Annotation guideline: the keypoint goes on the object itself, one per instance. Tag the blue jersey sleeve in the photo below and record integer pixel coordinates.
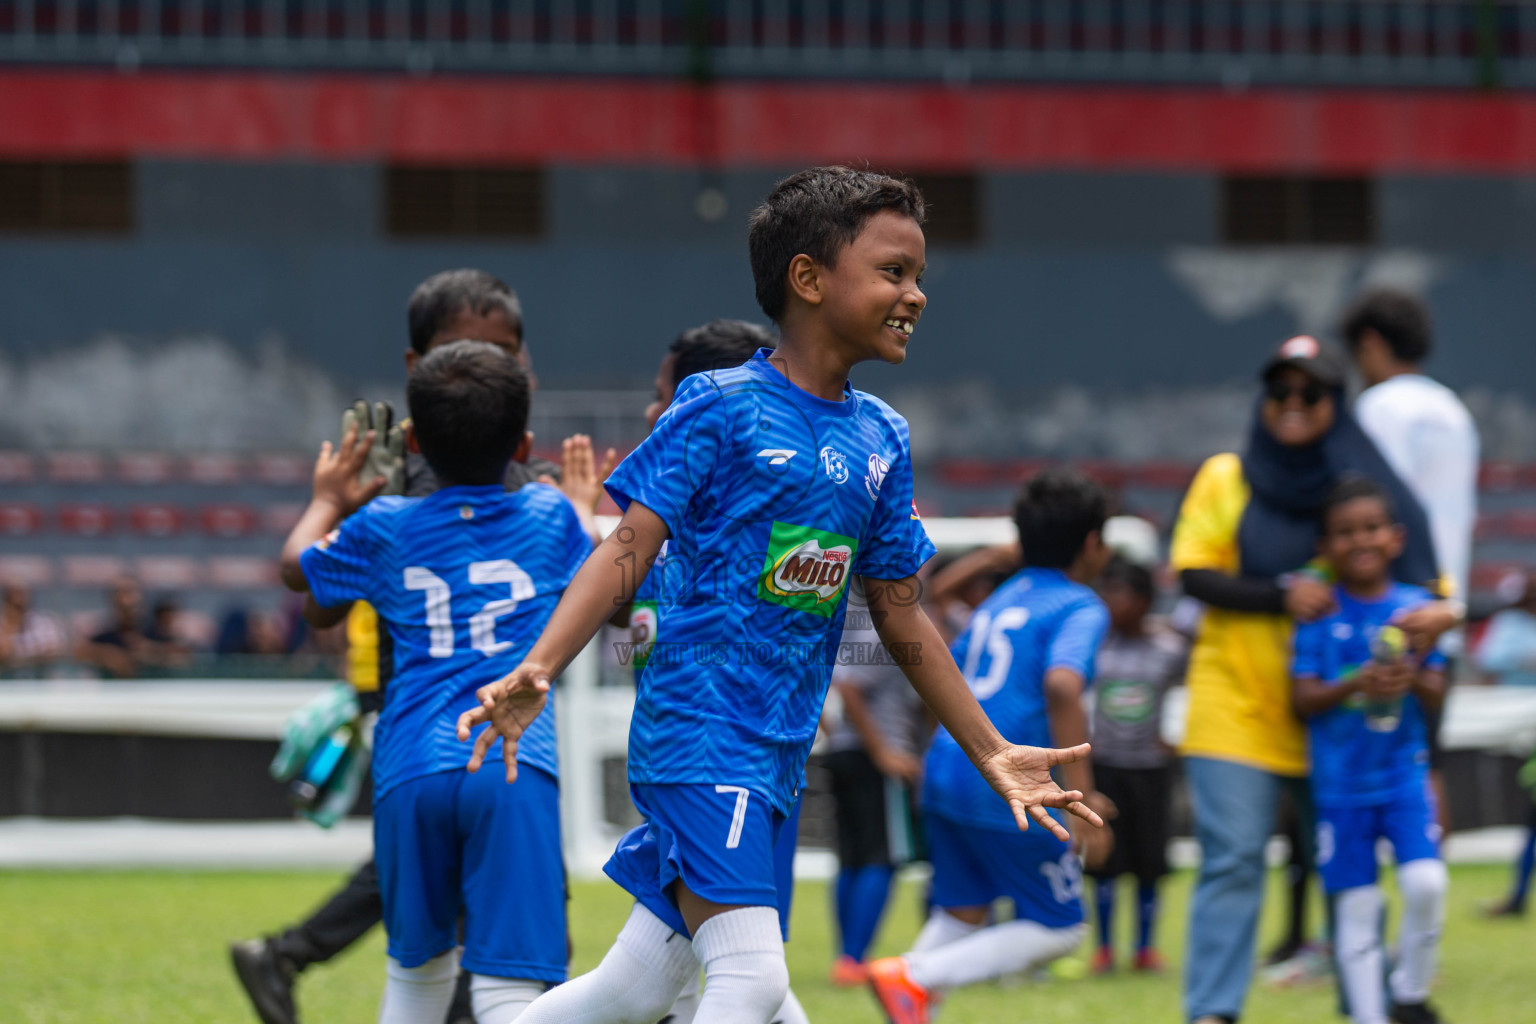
(1076, 643)
(339, 566)
(1311, 641)
(575, 544)
(678, 459)
(894, 545)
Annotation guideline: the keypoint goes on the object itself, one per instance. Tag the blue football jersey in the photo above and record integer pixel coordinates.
(465, 580)
(1362, 754)
(772, 498)
(1037, 621)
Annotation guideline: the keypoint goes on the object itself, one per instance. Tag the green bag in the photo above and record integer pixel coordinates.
(323, 756)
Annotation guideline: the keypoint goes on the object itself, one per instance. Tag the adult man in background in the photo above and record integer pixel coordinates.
(1427, 436)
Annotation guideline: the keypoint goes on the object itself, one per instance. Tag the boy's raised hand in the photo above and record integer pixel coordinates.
(337, 481)
(510, 704)
(1022, 776)
(581, 478)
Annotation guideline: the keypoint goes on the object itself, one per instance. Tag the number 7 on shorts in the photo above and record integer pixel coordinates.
(738, 816)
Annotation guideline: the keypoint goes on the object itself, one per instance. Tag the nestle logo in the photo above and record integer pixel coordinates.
(835, 556)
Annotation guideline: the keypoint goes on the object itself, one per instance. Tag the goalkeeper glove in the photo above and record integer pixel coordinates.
(387, 456)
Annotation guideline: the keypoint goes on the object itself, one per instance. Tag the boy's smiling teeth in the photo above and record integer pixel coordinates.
(904, 326)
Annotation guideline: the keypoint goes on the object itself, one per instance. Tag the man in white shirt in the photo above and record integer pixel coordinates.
(1420, 426)
(1427, 436)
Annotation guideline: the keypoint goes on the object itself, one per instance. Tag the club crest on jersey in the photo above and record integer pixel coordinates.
(806, 569)
(835, 464)
(878, 467)
(324, 543)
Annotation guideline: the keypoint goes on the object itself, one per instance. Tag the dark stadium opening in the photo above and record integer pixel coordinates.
(480, 202)
(67, 196)
(1298, 210)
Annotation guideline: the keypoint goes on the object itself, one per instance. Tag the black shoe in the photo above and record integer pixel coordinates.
(267, 979)
(1504, 908)
(1286, 950)
(1415, 1013)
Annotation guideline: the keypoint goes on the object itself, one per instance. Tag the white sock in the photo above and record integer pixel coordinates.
(941, 929)
(745, 976)
(1357, 946)
(1423, 884)
(790, 1011)
(994, 952)
(636, 983)
(686, 1007)
(501, 1000)
(416, 994)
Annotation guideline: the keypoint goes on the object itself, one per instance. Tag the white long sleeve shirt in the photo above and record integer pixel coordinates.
(1429, 439)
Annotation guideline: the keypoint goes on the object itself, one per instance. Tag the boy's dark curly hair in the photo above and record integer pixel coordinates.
(1055, 512)
(817, 212)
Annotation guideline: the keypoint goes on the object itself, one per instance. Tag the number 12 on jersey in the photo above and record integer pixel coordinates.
(482, 625)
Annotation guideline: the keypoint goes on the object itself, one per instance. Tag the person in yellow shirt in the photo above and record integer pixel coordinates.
(1245, 534)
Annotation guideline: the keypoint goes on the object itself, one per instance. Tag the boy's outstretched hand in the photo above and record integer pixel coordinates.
(581, 478)
(337, 480)
(510, 704)
(1022, 776)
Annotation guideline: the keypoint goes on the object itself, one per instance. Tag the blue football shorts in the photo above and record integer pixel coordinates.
(1346, 837)
(455, 845)
(725, 843)
(974, 866)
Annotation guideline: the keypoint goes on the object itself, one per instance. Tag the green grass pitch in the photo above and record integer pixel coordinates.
(147, 947)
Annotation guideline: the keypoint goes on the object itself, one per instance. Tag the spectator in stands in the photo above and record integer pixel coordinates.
(1430, 441)
(1246, 531)
(1508, 653)
(118, 649)
(1508, 649)
(167, 647)
(875, 761)
(30, 640)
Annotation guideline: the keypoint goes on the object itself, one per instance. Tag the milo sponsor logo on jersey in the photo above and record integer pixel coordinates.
(806, 569)
(644, 620)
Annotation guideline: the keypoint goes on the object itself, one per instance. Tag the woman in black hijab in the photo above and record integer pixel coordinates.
(1246, 532)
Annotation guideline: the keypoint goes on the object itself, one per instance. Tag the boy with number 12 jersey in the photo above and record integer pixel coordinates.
(464, 579)
(771, 482)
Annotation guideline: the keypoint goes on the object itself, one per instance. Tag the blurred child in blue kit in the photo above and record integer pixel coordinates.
(1364, 697)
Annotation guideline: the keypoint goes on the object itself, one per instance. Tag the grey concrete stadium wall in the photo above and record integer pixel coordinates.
(1099, 280)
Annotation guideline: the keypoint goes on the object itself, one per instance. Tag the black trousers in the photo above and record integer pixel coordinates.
(340, 921)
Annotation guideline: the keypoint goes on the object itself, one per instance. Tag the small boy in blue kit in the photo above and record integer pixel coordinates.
(1364, 697)
(1028, 654)
(464, 579)
(772, 484)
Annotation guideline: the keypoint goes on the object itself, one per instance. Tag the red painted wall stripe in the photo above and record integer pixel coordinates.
(241, 115)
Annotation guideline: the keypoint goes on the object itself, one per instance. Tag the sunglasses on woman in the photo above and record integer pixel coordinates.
(1280, 392)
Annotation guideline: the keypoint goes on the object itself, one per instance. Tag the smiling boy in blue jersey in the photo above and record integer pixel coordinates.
(772, 483)
(464, 579)
(1027, 653)
(1364, 698)
(717, 345)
